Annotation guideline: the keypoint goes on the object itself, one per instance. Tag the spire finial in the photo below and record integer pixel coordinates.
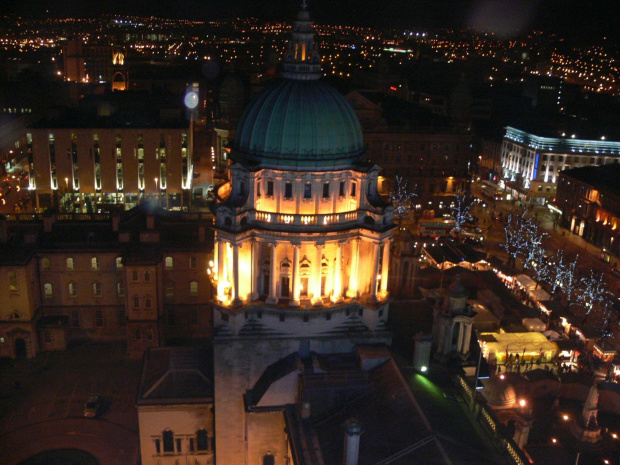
(303, 5)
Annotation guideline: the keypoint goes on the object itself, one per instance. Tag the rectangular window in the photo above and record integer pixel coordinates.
(12, 280)
(120, 289)
(258, 189)
(136, 302)
(307, 191)
(288, 190)
(179, 443)
(147, 276)
(97, 289)
(134, 275)
(122, 319)
(193, 288)
(191, 444)
(94, 263)
(353, 185)
(342, 186)
(119, 262)
(48, 290)
(75, 319)
(157, 446)
(70, 264)
(270, 188)
(99, 318)
(326, 190)
(192, 262)
(47, 337)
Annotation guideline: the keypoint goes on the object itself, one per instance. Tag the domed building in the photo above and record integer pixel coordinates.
(301, 254)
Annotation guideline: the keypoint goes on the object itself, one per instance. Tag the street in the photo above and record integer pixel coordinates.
(42, 403)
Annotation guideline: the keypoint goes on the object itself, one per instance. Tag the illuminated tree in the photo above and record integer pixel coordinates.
(593, 292)
(460, 211)
(523, 241)
(402, 200)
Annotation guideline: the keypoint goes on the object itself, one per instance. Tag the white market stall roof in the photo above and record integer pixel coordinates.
(534, 324)
(517, 343)
(540, 295)
(525, 281)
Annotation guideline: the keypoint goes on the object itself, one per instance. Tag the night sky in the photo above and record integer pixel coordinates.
(569, 18)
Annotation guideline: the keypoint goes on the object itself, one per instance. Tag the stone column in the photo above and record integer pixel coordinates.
(385, 267)
(254, 268)
(317, 297)
(459, 341)
(273, 298)
(294, 302)
(467, 340)
(337, 294)
(236, 300)
(355, 252)
(221, 275)
(376, 251)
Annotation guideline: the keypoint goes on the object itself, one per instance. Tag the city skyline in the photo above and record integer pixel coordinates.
(507, 18)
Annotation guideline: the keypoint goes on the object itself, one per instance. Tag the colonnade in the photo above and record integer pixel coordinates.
(228, 274)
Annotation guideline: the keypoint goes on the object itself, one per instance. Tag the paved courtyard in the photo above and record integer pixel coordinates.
(42, 402)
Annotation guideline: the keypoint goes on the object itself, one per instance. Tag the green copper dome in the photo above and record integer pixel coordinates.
(299, 125)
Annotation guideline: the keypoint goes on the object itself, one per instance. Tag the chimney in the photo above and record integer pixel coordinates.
(352, 442)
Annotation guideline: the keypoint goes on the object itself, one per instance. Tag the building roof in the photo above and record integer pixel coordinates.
(601, 177)
(173, 375)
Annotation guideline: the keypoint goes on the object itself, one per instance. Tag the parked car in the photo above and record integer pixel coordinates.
(91, 407)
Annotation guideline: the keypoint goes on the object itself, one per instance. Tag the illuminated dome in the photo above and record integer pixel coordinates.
(301, 125)
(499, 393)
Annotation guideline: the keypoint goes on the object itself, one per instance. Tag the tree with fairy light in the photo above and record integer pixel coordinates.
(403, 200)
(592, 292)
(523, 240)
(460, 211)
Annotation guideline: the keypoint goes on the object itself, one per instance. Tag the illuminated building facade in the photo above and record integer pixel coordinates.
(589, 200)
(87, 167)
(302, 246)
(531, 164)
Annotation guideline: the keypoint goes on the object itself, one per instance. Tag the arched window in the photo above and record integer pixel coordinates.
(119, 262)
(94, 263)
(48, 290)
(147, 302)
(97, 289)
(69, 264)
(169, 263)
(45, 263)
(147, 276)
(72, 289)
(136, 301)
(120, 288)
(193, 288)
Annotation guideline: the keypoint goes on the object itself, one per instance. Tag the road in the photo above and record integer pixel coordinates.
(42, 402)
